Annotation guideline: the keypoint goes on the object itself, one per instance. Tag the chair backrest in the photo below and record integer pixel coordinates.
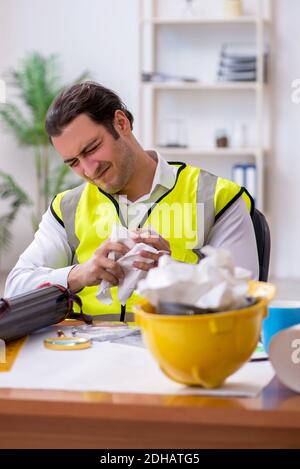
(263, 241)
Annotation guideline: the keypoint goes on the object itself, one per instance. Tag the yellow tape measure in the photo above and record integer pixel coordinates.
(12, 350)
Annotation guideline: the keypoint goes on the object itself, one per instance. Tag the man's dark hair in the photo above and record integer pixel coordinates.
(90, 98)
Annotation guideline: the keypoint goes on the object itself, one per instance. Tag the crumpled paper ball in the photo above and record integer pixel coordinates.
(214, 283)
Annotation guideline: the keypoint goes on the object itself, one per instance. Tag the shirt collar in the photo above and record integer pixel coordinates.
(165, 174)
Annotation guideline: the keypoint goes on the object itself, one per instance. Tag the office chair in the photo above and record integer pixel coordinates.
(263, 241)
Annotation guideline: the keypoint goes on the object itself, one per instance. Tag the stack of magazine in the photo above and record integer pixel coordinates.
(237, 62)
(159, 77)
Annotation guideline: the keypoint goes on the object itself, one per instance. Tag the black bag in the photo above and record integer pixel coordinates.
(45, 306)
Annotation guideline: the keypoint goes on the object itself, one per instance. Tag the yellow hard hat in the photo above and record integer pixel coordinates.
(203, 350)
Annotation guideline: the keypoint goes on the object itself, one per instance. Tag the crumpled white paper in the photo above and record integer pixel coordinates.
(213, 283)
(132, 274)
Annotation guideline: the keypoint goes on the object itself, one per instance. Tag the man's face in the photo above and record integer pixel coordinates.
(95, 155)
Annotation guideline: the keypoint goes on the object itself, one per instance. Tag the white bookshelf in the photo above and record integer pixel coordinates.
(212, 20)
(175, 85)
(164, 30)
(182, 152)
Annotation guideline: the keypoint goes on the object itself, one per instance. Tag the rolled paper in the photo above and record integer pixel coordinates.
(284, 355)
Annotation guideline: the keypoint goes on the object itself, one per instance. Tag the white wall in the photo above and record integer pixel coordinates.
(102, 36)
(284, 166)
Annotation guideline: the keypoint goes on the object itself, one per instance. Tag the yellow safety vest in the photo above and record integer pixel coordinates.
(184, 216)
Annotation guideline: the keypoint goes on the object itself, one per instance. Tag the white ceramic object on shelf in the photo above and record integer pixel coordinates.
(175, 133)
(233, 8)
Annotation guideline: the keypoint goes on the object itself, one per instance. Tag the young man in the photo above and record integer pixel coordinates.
(91, 129)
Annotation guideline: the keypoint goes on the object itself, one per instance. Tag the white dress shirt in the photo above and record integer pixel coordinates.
(48, 257)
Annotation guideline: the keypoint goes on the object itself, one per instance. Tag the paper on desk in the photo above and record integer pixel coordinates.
(122, 334)
(132, 274)
(111, 367)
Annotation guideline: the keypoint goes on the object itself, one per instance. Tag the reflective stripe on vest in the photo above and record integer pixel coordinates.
(68, 207)
(88, 213)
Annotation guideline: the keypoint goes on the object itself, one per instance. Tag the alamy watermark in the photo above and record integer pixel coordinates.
(176, 220)
(295, 96)
(2, 352)
(295, 355)
(2, 92)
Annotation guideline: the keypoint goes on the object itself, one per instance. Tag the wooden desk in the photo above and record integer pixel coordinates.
(44, 419)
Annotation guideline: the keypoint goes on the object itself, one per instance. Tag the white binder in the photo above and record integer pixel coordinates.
(238, 174)
(250, 180)
(245, 175)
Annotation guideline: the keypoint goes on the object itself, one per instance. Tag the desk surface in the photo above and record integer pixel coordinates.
(64, 419)
(56, 419)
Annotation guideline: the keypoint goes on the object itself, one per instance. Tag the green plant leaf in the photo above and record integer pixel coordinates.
(62, 179)
(10, 190)
(5, 232)
(38, 83)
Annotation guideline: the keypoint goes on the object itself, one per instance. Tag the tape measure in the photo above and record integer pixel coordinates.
(12, 350)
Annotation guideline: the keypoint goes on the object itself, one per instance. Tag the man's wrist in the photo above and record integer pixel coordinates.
(74, 279)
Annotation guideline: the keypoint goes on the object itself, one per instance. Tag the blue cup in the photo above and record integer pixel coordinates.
(281, 315)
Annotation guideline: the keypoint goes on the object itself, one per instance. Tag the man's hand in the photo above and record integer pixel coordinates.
(98, 268)
(154, 240)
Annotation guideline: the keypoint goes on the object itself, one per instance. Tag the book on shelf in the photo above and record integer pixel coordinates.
(238, 62)
(236, 76)
(245, 175)
(240, 52)
(237, 66)
(237, 174)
